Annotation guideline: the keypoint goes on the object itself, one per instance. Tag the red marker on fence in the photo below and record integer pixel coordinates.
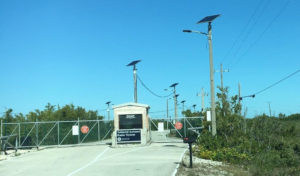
(84, 129)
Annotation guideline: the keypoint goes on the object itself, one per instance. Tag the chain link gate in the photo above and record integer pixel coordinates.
(56, 133)
(192, 127)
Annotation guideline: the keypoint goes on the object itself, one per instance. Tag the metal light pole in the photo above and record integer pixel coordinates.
(133, 63)
(194, 106)
(175, 100)
(183, 101)
(208, 20)
(108, 110)
(167, 108)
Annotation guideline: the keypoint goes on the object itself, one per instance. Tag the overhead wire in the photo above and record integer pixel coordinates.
(272, 85)
(251, 28)
(281, 80)
(241, 33)
(149, 90)
(261, 34)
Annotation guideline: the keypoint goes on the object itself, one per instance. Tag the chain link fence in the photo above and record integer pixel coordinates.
(56, 133)
(191, 127)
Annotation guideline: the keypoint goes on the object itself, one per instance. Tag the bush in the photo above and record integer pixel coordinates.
(267, 146)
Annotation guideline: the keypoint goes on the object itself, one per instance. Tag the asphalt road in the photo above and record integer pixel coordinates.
(156, 159)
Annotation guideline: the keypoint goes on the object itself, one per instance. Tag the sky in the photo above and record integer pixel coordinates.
(74, 51)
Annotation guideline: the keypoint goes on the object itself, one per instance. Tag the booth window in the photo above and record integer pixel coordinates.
(130, 121)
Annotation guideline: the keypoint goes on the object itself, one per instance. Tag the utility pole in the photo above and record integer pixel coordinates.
(167, 108)
(209, 20)
(175, 100)
(203, 94)
(108, 110)
(133, 63)
(240, 98)
(221, 74)
(270, 108)
(212, 83)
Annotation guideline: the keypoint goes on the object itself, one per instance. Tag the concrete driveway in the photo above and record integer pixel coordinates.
(156, 159)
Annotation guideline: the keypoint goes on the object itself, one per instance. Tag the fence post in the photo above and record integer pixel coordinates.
(37, 132)
(1, 128)
(184, 126)
(19, 134)
(57, 132)
(78, 131)
(98, 129)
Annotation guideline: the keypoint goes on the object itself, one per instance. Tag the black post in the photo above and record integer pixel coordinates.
(191, 155)
(190, 141)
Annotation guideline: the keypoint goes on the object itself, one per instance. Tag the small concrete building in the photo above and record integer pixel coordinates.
(131, 124)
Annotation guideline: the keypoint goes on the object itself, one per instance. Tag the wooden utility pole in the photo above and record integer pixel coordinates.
(270, 109)
(239, 98)
(221, 74)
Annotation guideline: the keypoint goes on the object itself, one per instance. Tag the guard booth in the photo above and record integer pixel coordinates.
(131, 124)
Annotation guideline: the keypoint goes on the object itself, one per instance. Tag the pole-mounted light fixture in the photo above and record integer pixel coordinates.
(108, 110)
(133, 63)
(209, 19)
(175, 100)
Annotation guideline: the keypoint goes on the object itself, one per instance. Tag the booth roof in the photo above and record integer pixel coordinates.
(131, 104)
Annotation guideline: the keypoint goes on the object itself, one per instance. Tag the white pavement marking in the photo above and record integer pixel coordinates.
(88, 164)
(123, 153)
(175, 171)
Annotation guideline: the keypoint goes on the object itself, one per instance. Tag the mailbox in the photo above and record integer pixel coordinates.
(190, 140)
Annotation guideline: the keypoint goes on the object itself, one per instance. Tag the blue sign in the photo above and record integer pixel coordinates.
(128, 136)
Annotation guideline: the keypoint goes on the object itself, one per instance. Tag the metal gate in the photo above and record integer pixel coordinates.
(191, 127)
(56, 133)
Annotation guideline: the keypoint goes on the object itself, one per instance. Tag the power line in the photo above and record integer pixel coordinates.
(264, 31)
(242, 32)
(147, 88)
(274, 84)
(251, 28)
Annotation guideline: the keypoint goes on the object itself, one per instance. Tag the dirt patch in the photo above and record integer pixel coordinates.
(209, 168)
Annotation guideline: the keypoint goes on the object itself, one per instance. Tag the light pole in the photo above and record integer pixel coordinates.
(183, 101)
(108, 110)
(194, 106)
(133, 63)
(175, 100)
(208, 20)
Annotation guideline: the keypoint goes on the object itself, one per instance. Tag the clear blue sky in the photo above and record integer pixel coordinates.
(74, 51)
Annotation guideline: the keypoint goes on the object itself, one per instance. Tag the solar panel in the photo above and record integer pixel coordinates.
(134, 62)
(173, 85)
(208, 19)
